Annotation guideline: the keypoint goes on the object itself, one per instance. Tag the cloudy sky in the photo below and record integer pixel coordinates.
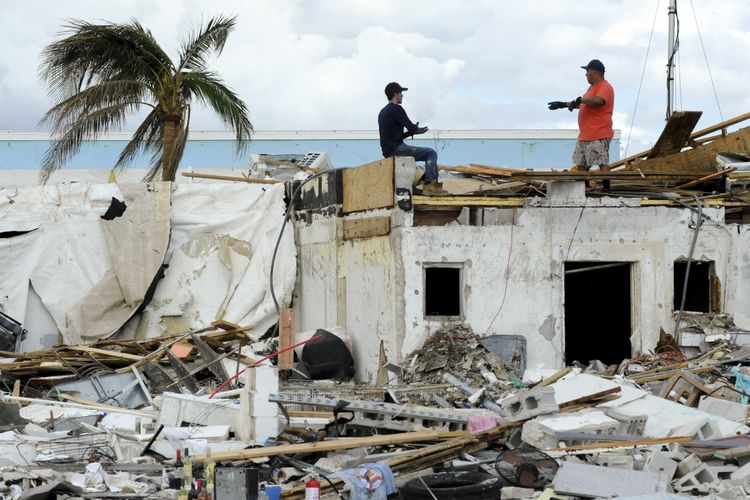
(471, 64)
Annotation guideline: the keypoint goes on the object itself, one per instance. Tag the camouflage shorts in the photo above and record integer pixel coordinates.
(589, 153)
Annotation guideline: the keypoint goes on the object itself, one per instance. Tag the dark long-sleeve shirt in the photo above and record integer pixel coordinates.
(391, 121)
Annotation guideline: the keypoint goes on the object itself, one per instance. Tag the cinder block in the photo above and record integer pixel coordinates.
(701, 429)
(688, 465)
(541, 432)
(722, 472)
(615, 460)
(741, 473)
(695, 479)
(630, 425)
(262, 379)
(591, 481)
(723, 408)
(529, 404)
(658, 460)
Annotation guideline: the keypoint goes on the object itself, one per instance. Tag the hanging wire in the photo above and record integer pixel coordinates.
(705, 57)
(643, 73)
(679, 80)
(670, 61)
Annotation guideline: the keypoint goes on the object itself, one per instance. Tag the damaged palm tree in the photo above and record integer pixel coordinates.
(101, 73)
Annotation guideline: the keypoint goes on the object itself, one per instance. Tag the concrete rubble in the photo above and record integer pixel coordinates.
(579, 432)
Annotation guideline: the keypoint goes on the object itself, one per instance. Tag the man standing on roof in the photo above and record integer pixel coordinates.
(594, 119)
(392, 121)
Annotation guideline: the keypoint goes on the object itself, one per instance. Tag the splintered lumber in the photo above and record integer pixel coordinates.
(620, 444)
(693, 136)
(591, 397)
(554, 377)
(707, 178)
(331, 445)
(473, 169)
(103, 352)
(428, 456)
(231, 178)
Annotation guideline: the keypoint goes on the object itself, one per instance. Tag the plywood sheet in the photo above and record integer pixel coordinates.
(369, 186)
(363, 228)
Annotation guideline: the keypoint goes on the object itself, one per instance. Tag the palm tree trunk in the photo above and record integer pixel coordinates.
(169, 138)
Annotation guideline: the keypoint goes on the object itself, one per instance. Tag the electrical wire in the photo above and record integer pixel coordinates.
(507, 274)
(687, 269)
(640, 84)
(705, 57)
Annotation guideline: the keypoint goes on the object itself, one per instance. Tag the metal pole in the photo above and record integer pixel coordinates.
(671, 56)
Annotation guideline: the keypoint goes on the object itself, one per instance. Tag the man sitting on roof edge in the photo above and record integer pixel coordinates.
(392, 121)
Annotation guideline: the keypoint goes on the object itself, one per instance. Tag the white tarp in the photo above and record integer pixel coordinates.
(219, 255)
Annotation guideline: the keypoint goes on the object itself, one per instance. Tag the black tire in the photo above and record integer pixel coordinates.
(453, 486)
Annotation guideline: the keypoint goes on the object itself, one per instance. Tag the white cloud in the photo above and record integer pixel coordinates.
(480, 64)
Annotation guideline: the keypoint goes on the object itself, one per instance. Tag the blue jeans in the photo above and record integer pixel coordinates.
(427, 155)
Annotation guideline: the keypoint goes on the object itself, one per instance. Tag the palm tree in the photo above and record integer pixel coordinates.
(113, 71)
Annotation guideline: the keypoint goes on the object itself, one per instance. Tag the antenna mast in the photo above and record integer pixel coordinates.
(672, 47)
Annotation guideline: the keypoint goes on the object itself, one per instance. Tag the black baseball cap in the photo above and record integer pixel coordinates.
(594, 64)
(392, 89)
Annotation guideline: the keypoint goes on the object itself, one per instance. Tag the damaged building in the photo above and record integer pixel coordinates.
(302, 330)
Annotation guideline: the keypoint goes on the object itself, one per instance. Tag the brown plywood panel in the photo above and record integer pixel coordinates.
(369, 186)
(363, 228)
(701, 159)
(676, 133)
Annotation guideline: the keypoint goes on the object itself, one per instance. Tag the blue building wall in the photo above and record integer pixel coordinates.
(527, 149)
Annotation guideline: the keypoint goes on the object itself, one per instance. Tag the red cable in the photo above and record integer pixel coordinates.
(273, 355)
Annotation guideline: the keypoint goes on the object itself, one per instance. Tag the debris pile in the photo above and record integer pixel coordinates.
(171, 416)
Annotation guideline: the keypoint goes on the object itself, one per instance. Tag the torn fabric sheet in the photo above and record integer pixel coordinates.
(91, 274)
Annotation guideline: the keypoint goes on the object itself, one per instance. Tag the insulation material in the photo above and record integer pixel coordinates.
(92, 274)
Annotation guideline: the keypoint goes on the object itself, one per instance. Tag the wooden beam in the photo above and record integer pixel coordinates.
(102, 352)
(622, 444)
(331, 445)
(707, 178)
(554, 377)
(286, 339)
(231, 178)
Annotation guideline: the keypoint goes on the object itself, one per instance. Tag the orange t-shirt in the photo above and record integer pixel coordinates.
(595, 122)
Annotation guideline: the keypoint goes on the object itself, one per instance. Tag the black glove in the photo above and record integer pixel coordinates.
(420, 130)
(557, 105)
(574, 104)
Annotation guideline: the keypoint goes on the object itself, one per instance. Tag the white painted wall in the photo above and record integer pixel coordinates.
(375, 287)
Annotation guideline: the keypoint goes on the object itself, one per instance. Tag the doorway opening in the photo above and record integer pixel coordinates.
(699, 294)
(598, 307)
(442, 286)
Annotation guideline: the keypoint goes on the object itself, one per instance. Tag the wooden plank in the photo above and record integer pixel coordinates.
(369, 186)
(554, 377)
(627, 175)
(331, 445)
(231, 178)
(365, 228)
(591, 397)
(622, 444)
(103, 352)
(286, 339)
(676, 133)
(707, 178)
(474, 169)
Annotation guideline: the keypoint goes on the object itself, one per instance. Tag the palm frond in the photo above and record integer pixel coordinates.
(208, 88)
(206, 39)
(148, 137)
(101, 95)
(88, 126)
(100, 52)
